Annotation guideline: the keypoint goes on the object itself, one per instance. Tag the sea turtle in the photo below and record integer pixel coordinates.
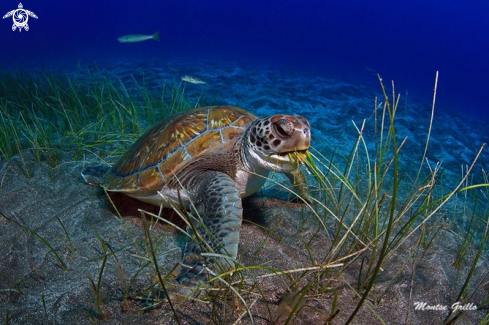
(205, 160)
(20, 17)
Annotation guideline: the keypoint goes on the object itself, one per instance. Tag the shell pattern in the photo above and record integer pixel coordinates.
(169, 146)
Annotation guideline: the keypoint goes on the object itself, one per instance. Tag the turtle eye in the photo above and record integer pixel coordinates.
(283, 128)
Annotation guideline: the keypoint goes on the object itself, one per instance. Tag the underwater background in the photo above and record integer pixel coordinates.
(404, 41)
(72, 96)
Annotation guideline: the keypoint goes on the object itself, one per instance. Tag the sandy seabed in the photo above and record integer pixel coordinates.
(35, 289)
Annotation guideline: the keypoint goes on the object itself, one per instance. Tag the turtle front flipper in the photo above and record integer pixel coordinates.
(215, 224)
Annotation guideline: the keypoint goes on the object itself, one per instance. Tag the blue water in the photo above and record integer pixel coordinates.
(327, 52)
(405, 41)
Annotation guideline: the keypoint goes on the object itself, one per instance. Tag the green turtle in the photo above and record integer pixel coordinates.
(20, 17)
(205, 160)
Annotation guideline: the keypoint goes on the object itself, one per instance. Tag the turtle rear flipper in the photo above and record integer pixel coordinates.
(93, 175)
(217, 222)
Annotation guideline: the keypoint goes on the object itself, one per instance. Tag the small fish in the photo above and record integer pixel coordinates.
(134, 38)
(193, 80)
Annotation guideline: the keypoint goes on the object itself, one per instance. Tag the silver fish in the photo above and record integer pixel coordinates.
(193, 80)
(134, 38)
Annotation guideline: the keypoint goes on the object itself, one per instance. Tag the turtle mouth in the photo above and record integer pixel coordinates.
(295, 157)
(294, 152)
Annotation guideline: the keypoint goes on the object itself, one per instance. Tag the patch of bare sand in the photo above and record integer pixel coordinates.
(35, 289)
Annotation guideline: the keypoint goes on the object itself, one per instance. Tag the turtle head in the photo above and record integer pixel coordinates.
(271, 140)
